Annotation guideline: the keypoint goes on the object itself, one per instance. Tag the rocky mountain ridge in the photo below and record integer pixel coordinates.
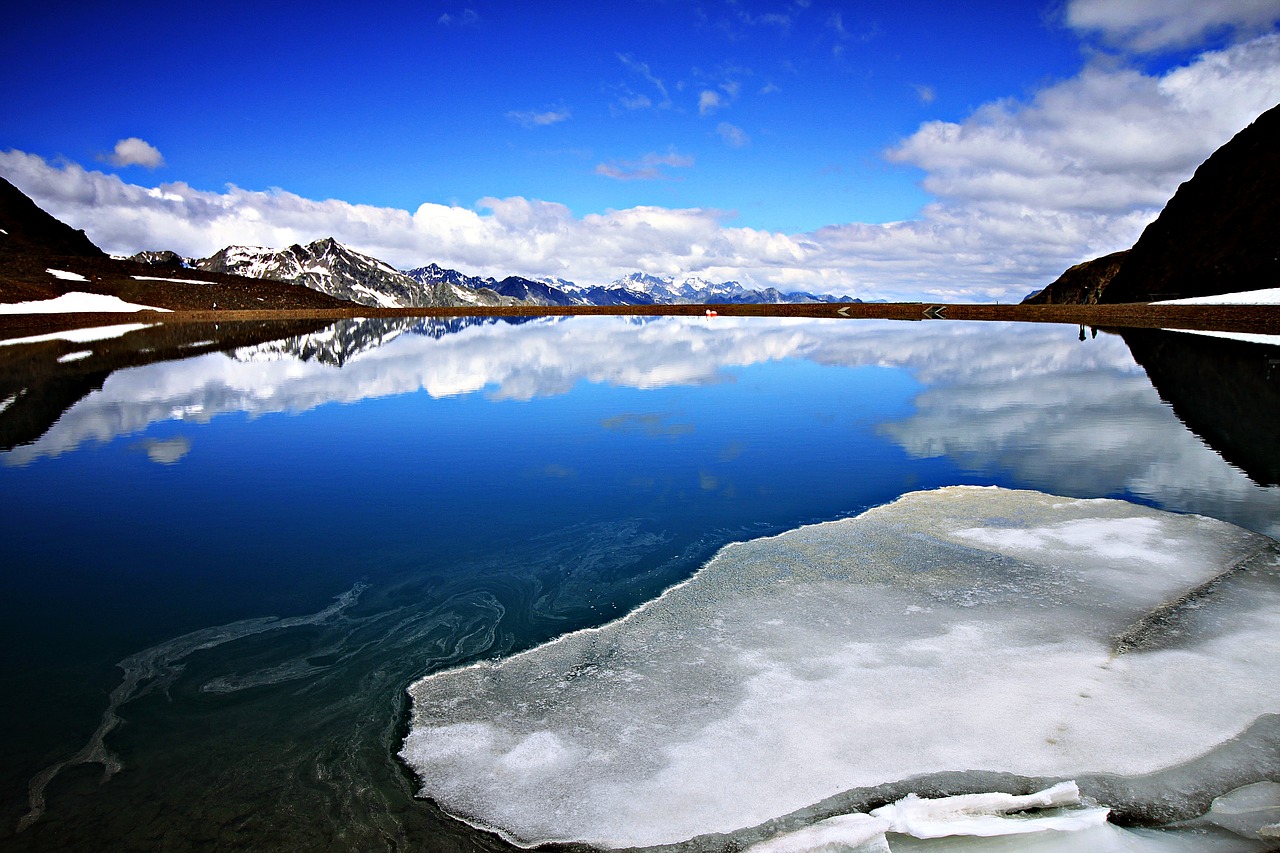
(1220, 233)
(330, 267)
(43, 258)
(333, 268)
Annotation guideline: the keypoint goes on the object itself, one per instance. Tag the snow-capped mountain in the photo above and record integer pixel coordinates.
(528, 290)
(672, 290)
(558, 283)
(330, 267)
(434, 274)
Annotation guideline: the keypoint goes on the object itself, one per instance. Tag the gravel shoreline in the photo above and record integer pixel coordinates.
(1253, 319)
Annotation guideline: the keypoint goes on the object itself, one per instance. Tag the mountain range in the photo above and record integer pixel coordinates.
(330, 267)
(41, 257)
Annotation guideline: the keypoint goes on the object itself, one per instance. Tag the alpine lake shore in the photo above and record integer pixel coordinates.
(1245, 319)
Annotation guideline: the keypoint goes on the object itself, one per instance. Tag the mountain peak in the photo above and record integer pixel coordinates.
(338, 270)
(29, 229)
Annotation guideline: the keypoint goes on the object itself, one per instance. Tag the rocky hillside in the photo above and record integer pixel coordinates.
(1220, 233)
(329, 267)
(1082, 284)
(26, 229)
(42, 258)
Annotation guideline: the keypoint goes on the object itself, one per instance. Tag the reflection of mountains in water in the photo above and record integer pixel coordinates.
(345, 339)
(40, 380)
(1225, 391)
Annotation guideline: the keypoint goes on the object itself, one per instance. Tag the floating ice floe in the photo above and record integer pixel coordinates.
(1251, 811)
(1055, 809)
(985, 635)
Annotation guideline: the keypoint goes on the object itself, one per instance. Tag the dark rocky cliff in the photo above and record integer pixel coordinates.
(1220, 233)
(27, 228)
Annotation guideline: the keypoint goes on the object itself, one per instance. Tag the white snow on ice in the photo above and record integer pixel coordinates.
(990, 814)
(960, 629)
(75, 302)
(1268, 296)
(1056, 809)
(66, 276)
(75, 356)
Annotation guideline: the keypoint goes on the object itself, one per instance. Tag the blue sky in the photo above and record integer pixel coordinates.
(768, 141)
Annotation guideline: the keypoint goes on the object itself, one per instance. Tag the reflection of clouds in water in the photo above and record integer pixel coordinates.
(1028, 399)
(548, 358)
(166, 451)
(653, 424)
(1081, 432)
(509, 362)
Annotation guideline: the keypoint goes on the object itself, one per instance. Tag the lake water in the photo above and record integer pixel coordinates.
(229, 551)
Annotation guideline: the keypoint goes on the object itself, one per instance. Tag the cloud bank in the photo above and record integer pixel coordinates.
(1022, 189)
(1147, 26)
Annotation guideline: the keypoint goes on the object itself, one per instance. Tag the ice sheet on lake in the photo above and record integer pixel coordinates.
(963, 629)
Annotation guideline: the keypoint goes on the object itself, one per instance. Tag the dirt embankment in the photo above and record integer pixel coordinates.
(1256, 319)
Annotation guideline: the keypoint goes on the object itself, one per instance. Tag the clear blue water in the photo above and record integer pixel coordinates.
(476, 488)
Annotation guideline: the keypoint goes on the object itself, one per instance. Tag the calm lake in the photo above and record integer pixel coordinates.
(228, 552)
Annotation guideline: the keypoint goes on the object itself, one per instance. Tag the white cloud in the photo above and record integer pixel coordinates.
(632, 100)
(135, 152)
(533, 118)
(465, 18)
(1023, 189)
(709, 101)
(733, 135)
(926, 94)
(647, 168)
(1107, 142)
(1147, 26)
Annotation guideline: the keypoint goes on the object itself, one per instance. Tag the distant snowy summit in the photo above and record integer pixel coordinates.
(672, 290)
(332, 268)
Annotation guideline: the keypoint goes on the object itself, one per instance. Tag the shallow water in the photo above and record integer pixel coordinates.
(474, 489)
